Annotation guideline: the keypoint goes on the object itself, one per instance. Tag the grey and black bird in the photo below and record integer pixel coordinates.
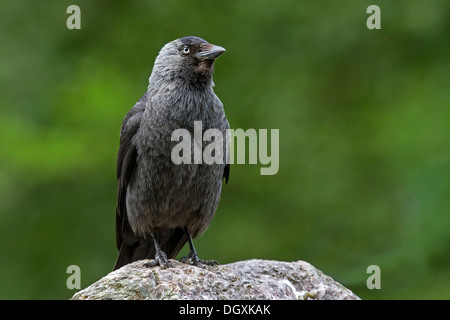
(162, 205)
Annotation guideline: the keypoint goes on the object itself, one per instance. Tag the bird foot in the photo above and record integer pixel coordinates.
(160, 260)
(193, 259)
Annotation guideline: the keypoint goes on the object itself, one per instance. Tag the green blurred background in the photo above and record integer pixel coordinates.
(364, 124)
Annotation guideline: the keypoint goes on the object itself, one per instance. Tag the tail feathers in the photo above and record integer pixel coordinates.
(134, 252)
(170, 241)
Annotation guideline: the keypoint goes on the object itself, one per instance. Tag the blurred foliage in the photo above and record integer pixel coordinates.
(364, 136)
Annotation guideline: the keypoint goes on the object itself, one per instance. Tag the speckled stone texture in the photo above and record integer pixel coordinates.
(250, 279)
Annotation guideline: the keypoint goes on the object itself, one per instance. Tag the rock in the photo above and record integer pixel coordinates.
(250, 279)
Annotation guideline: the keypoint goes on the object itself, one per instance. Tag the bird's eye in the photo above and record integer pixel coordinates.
(185, 50)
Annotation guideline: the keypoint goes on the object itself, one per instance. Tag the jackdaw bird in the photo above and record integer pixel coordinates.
(162, 205)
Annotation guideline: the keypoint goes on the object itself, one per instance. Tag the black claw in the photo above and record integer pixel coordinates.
(160, 260)
(194, 260)
(211, 262)
(160, 257)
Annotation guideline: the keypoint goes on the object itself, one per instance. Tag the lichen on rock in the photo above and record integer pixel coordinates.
(249, 280)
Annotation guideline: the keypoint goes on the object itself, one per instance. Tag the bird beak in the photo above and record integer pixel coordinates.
(210, 52)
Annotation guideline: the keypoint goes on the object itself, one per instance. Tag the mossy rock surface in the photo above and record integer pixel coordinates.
(250, 279)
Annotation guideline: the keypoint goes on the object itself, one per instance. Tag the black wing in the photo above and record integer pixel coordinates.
(126, 162)
(226, 172)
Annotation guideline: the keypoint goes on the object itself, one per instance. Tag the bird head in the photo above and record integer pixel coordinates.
(190, 59)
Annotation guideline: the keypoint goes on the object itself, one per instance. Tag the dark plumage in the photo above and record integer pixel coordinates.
(160, 205)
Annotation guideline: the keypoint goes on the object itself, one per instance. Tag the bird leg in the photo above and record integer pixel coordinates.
(160, 257)
(192, 257)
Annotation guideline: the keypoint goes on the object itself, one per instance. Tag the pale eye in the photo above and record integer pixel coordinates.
(185, 50)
